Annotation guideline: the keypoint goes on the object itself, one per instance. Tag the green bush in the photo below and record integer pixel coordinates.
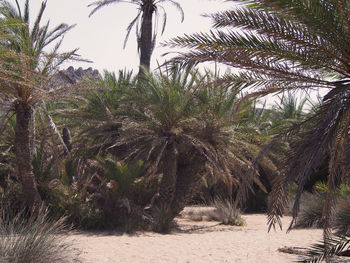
(112, 196)
(311, 209)
(13, 196)
(312, 204)
(342, 218)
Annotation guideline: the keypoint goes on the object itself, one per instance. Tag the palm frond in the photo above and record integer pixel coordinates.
(334, 245)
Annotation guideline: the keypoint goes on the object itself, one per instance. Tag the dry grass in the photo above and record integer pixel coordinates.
(311, 209)
(34, 239)
(220, 210)
(163, 221)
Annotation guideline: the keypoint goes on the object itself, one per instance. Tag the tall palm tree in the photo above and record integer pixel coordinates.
(24, 68)
(289, 45)
(146, 32)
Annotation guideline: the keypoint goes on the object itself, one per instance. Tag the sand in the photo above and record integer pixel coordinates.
(197, 242)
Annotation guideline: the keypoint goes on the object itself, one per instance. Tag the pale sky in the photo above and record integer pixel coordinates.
(100, 38)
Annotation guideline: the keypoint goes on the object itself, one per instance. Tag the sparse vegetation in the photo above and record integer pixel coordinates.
(34, 238)
(226, 212)
(219, 210)
(311, 211)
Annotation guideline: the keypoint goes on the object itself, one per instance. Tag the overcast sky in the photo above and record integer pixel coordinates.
(100, 38)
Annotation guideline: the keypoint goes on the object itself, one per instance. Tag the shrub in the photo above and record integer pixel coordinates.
(33, 238)
(226, 213)
(311, 209)
(342, 218)
(13, 196)
(106, 194)
(219, 210)
(163, 220)
(312, 204)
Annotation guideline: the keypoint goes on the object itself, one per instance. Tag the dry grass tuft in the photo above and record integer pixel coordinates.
(220, 210)
(163, 220)
(226, 213)
(34, 238)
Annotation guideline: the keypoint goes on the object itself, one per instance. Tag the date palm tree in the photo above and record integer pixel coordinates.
(289, 45)
(146, 31)
(178, 123)
(24, 67)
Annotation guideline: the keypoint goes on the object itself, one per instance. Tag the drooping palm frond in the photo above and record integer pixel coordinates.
(101, 106)
(5, 112)
(288, 45)
(282, 43)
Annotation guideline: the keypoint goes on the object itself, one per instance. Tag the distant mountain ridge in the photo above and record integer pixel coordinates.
(71, 76)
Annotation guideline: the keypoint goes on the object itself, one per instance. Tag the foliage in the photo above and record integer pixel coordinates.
(101, 107)
(178, 122)
(121, 176)
(342, 217)
(162, 219)
(281, 46)
(226, 213)
(312, 204)
(33, 238)
(331, 246)
(105, 196)
(25, 66)
(12, 196)
(311, 210)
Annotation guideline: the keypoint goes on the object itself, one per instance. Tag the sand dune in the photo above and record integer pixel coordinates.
(197, 242)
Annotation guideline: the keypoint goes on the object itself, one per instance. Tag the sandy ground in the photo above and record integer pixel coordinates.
(197, 242)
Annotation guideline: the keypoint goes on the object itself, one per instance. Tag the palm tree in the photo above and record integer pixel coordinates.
(145, 31)
(177, 122)
(286, 112)
(288, 45)
(24, 68)
(102, 109)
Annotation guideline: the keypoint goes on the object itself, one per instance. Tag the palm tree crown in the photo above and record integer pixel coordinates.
(287, 45)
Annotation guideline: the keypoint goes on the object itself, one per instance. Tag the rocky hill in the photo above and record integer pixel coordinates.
(72, 76)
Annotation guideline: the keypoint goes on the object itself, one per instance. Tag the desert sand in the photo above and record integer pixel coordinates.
(197, 242)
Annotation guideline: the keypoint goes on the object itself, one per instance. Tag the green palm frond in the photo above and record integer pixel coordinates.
(280, 46)
(280, 38)
(25, 64)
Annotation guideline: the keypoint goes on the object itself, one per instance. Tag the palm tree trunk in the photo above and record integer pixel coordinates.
(168, 182)
(145, 40)
(190, 172)
(24, 115)
(67, 139)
